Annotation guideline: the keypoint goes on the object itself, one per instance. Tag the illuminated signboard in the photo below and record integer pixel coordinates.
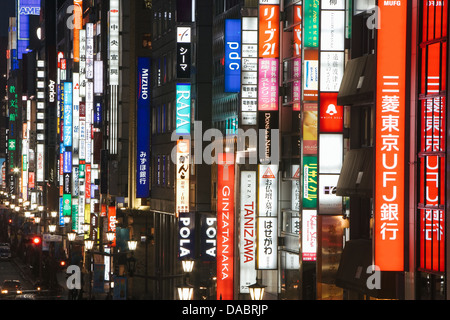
(67, 131)
(225, 227)
(249, 66)
(309, 236)
(331, 115)
(183, 167)
(267, 221)
(233, 55)
(268, 191)
(143, 129)
(268, 85)
(184, 60)
(247, 243)
(267, 243)
(183, 112)
(390, 150)
(67, 205)
(433, 143)
(40, 159)
(269, 31)
(311, 75)
(186, 236)
(311, 16)
(295, 188)
(114, 42)
(78, 25)
(111, 222)
(208, 237)
(82, 35)
(25, 9)
(184, 49)
(268, 65)
(297, 62)
(76, 117)
(310, 182)
(90, 51)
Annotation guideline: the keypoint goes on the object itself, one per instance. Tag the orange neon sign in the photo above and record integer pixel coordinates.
(269, 31)
(390, 138)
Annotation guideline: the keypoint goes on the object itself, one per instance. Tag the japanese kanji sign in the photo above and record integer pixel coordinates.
(390, 138)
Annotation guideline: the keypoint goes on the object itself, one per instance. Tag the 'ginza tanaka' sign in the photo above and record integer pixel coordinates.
(225, 227)
(390, 138)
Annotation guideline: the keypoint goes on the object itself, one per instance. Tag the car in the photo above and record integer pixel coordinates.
(5, 253)
(11, 287)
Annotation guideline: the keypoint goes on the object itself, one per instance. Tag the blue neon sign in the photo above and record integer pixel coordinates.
(233, 62)
(183, 109)
(68, 114)
(143, 129)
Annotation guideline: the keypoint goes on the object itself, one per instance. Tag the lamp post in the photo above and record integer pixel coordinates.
(186, 290)
(88, 245)
(131, 261)
(110, 235)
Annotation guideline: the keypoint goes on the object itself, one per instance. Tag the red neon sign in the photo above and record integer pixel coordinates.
(269, 31)
(331, 115)
(390, 138)
(225, 227)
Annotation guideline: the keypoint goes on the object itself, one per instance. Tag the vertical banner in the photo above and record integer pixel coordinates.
(184, 52)
(111, 222)
(249, 66)
(311, 24)
(269, 53)
(233, 43)
(78, 25)
(68, 117)
(183, 112)
(225, 227)
(114, 42)
(390, 150)
(143, 130)
(433, 131)
(247, 239)
(183, 175)
(208, 245)
(309, 236)
(186, 236)
(267, 224)
(331, 120)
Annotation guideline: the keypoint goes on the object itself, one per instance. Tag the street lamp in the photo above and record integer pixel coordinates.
(257, 291)
(52, 228)
(110, 236)
(89, 244)
(185, 292)
(188, 265)
(131, 262)
(132, 245)
(71, 236)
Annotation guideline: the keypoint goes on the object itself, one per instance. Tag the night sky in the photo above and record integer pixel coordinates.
(6, 11)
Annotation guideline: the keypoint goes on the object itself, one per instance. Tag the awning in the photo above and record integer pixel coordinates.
(354, 272)
(359, 82)
(356, 178)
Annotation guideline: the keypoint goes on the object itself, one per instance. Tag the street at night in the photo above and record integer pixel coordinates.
(224, 158)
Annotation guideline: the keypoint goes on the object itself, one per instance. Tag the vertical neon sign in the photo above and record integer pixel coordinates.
(390, 138)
